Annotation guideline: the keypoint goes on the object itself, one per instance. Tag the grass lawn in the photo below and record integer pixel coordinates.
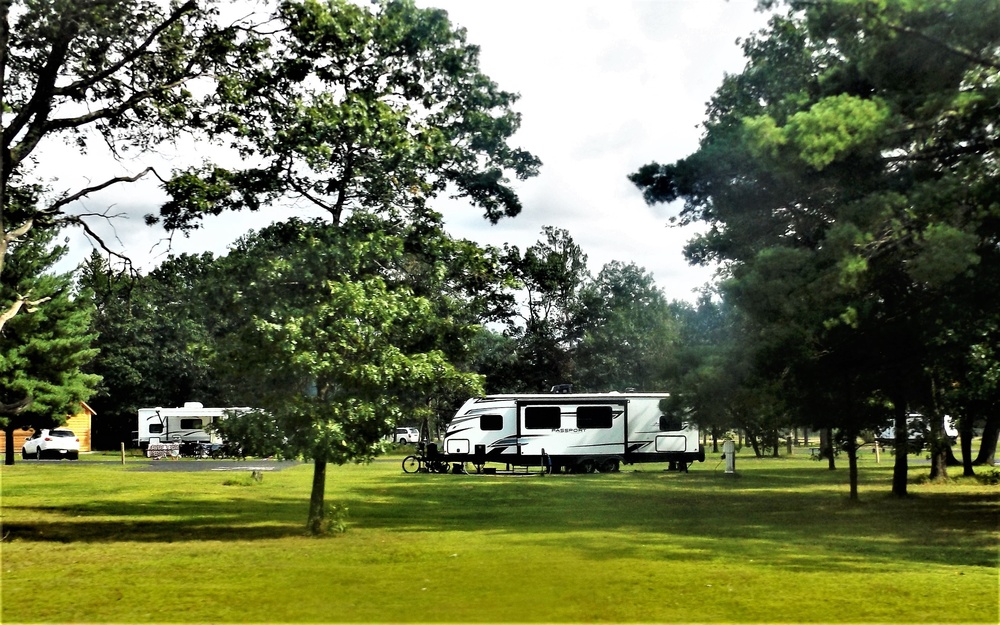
(779, 543)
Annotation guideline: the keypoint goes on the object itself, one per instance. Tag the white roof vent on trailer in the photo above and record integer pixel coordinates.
(193, 404)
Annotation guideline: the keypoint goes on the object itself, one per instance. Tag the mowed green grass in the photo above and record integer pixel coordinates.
(779, 543)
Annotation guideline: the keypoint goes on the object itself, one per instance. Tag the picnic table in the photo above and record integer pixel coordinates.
(163, 450)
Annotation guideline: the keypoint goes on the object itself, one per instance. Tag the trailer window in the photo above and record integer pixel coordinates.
(491, 422)
(156, 428)
(593, 417)
(542, 418)
(190, 424)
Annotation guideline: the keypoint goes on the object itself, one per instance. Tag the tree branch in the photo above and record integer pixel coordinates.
(39, 130)
(77, 220)
(40, 104)
(82, 85)
(18, 406)
(301, 190)
(54, 208)
(17, 233)
(965, 54)
(22, 301)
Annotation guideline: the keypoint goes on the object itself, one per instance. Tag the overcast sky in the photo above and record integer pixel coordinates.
(605, 88)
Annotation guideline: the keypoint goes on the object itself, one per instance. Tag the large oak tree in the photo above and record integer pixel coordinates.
(112, 77)
(332, 341)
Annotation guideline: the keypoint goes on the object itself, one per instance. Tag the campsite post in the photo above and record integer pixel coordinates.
(729, 452)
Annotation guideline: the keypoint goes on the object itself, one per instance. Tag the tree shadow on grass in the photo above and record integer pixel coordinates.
(643, 515)
(161, 521)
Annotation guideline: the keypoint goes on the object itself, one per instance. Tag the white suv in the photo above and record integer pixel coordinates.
(404, 436)
(57, 443)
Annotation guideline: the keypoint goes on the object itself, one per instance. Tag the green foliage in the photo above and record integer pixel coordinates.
(254, 432)
(609, 332)
(547, 325)
(495, 356)
(847, 177)
(158, 333)
(42, 349)
(373, 108)
(628, 332)
(331, 341)
(335, 519)
(945, 252)
(990, 478)
(107, 74)
(834, 128)
(837, 127)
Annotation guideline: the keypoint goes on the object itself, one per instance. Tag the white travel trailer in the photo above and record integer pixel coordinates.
(180, 425)
(581, 432)
(918, 431)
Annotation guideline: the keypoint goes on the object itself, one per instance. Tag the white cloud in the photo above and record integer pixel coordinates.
(605, 87)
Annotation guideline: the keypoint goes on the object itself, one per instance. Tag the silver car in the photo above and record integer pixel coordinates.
(55, 443)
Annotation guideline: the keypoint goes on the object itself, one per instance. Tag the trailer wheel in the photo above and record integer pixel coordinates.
(609, 466)
(411, 464)
(585, 466)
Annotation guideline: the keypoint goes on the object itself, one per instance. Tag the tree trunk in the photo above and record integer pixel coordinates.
(8, 435)
(852, 464)
(938, 448)
(317, 509)
(951, 458)
(965, 439)
(826, 448)
(753, 438)
(901, 448)
(988, 448)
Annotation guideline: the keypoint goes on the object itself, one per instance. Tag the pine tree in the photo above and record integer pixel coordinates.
(43, 348)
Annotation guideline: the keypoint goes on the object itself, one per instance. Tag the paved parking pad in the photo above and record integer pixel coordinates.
(182, 466)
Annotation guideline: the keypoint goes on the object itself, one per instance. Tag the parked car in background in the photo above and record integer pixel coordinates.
(407, 436)
(55, 443)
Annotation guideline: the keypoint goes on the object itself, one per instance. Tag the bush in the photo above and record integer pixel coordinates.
(990, 478)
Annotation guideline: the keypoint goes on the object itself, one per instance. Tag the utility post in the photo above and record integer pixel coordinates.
(729, 452)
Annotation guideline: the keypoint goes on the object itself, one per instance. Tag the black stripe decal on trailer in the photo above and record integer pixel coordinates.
(615, 443)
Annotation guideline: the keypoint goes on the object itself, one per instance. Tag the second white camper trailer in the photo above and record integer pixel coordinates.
(180, 425)
(582, 432)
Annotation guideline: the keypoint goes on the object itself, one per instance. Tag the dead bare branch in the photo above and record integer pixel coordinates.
(22, 301)
(69, 199)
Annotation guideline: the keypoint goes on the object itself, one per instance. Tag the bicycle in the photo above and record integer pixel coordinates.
(426, 460)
